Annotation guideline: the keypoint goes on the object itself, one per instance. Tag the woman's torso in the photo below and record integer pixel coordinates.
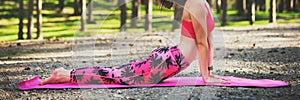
(187, 26)
(187, 41)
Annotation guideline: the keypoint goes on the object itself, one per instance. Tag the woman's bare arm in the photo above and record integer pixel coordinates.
(198, 13)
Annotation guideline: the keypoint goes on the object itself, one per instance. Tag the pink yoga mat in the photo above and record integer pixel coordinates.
(174, 81)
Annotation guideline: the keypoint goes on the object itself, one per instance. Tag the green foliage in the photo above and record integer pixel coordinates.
(261, 18)
(106, 15)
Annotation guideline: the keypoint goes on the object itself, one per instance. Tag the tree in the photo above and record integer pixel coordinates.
(292, 5)
(267, 5)
(90, 12)
(148, 18)
(245, 5)
(259, 4)
(61, 6)
(240, 7)
(272, 17)
(39, 19)
(288, 5)
(83, 16)
(218, 4)
(76, 7)
(178, 10)
(251, 11)
(21, 16)
(281, 6)
(224, 12)
(30, 24)
(134, 14)
(2, 2)
(296, 5)
(122, 5)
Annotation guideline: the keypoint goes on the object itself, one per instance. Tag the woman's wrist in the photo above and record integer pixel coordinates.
(210, 68)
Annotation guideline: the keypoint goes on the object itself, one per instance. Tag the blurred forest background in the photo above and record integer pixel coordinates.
(51, 19)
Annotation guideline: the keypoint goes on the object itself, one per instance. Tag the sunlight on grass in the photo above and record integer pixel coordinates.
(107, 17)
(246, 23)
(288, 21)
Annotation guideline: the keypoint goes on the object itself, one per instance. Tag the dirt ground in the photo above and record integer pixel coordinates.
(270, 51)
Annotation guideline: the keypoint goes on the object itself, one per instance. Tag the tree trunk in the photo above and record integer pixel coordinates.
(218, 4)
(273, 11)
(245, 5)
(83, 16)
(240, 7)
(224, 13)
(281, 6)
(267, 5)
(258, 4)
(90, 13)
(296, 5)
(148, 18)
(2, 2)
(21, 16)
(251, 11)
(122, 5)
(30, 24)
(139, 11)
(61, 6)
(134, 14)
(288, 5)
(39, 19)
(178, 10)
(76, 7)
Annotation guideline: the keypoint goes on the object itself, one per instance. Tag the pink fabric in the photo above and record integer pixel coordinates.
(161, 64)
(170, 82)
(188, 29)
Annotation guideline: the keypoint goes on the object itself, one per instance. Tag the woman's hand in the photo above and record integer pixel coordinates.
(217, 79)
(59, 75)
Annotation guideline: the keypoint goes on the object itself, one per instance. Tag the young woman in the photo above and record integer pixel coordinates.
(162, 63)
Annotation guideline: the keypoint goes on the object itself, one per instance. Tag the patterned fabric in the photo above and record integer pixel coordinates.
(161, 64)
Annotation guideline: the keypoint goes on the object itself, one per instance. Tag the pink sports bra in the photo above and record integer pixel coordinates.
(188, 30)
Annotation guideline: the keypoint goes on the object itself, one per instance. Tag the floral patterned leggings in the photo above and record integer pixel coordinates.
(161, 64)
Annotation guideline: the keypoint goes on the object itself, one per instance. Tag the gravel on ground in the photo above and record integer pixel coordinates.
(256, 52)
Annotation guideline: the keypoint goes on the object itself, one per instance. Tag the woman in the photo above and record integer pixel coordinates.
(162, 63)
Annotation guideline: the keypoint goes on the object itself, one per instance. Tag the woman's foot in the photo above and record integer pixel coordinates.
(217, 79)
(59, 75)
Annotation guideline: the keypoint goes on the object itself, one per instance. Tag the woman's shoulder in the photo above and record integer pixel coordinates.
(195, 3)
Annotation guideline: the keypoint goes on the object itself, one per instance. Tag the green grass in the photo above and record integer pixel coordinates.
(65, 26)
(106, 16)
(261, 18)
